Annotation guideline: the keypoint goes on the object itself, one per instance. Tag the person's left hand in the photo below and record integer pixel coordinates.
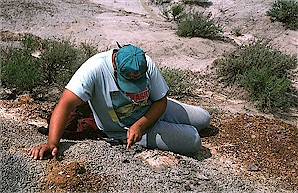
(133, 135)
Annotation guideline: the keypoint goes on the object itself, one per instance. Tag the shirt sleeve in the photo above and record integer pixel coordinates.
(158, 85)
(82, 82)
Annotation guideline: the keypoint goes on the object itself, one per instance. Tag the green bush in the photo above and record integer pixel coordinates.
(233, 66)
(198, 25)
(73, 57)
(88, 50)
(181, 82)
(177, 11)
(30, 43)
(262, 71)
(285, 11)
(60, 60)
(269, 91)
(56, 63)
(20, 70)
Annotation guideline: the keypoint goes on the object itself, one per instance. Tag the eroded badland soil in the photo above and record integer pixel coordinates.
(257, 149)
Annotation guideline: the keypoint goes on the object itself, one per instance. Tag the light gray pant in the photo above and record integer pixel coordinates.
(177, 129)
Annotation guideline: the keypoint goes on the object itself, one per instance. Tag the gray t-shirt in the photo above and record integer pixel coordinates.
(114, 111)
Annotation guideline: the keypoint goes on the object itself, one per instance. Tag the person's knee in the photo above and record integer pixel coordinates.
(183, 145)
(203, 121)
(197, 144)
(178, 138)
(207, 119)
(192, 146)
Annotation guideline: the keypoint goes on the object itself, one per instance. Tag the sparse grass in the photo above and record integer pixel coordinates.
(56, 63)
(181, 82)
(166, 14)
(285, 11)
(199, 25)
(264, 72)
(158, 2)
(202, 3)
(213, 111)
(237, 31)
(175, 12)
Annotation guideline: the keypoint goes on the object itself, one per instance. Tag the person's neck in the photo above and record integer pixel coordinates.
(113, 60)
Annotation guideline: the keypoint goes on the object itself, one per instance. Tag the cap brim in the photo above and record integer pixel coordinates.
(132, 87)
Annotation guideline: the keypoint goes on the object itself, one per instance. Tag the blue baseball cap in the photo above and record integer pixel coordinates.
(131, 67)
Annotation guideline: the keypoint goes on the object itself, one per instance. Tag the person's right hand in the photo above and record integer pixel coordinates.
(43, 151)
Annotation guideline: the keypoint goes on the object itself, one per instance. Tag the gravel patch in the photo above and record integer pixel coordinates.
(114, 168)
(14, 172)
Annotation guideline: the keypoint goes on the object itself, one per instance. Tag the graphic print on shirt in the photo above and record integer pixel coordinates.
(129, 107)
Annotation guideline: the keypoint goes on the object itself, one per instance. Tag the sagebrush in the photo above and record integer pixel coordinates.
(285, 11)
(263, 71)
(41, 61)
(181, 82)
(199, 25)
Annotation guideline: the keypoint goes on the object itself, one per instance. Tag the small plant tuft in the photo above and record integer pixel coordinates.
(285, 11)
(198, 25)
(159, 2)
(181, 82)
(237, 31)
(202, 3)
(177, 11)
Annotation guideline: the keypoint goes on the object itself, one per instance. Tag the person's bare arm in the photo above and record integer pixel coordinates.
(66, 104)
(135, 132)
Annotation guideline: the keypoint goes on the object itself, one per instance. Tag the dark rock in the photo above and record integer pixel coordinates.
(126, 161)
(253, 168)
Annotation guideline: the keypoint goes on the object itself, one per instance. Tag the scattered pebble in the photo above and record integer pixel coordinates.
(253, 168)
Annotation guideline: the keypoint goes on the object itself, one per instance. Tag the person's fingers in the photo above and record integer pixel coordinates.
(129, 142)
(132, 140)
(54, 151)
(127, 134)
(128, 139)
(30, 152)
(41, 151)
(138, 138)
(35, 152)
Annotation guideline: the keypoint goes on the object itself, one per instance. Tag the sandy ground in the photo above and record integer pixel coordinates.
(141, 23)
